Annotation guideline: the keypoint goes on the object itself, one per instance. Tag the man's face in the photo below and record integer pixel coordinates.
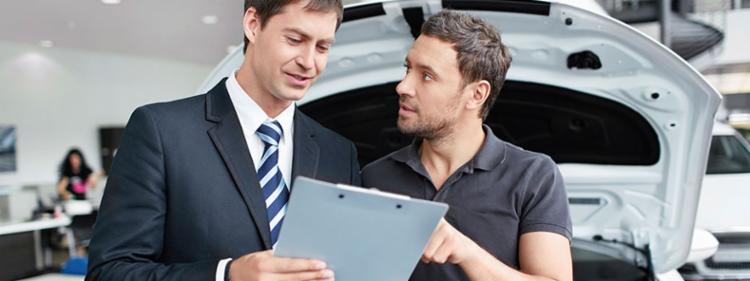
(290, 52)
(430, 96)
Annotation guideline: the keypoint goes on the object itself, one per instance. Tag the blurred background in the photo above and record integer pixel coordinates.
(72, 72)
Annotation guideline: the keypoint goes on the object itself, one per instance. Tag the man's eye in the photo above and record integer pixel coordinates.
(323, 48)
(426, 77)
(294, 40)
(407, 68)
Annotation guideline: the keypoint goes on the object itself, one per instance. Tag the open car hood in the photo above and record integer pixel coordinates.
(627, 120)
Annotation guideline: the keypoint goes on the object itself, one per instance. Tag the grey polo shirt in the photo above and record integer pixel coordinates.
(502, 193)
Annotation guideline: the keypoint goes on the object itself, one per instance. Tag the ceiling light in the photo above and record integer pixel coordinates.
(210, 19)
(46, 43)
(111, 2)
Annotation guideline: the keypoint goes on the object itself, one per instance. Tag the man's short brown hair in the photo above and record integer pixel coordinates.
(481, 53)
(268, 8)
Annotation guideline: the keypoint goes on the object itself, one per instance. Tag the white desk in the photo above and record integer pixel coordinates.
(55, 277)
(42, 255)
(17, 227)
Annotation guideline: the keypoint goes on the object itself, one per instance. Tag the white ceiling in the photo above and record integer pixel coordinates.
(170, 29)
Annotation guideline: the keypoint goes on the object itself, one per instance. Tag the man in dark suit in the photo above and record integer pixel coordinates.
(199, 186)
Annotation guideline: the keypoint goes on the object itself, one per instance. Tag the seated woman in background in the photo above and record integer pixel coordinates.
(75, 176)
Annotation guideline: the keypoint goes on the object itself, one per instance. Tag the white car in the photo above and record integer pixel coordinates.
(628, 121)
(724, 209)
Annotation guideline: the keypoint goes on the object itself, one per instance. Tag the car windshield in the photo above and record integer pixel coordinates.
(728, 156)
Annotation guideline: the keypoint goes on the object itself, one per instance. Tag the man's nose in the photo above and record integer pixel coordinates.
(306, 58)
(404, 87)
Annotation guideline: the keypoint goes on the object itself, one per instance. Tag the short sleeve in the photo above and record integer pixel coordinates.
(545, 202)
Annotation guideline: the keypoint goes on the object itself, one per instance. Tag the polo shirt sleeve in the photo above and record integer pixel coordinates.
(545, 202)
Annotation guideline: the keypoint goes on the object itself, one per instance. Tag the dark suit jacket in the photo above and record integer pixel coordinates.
(183, 192)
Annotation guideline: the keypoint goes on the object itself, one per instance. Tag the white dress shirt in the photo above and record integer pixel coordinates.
(251, 116)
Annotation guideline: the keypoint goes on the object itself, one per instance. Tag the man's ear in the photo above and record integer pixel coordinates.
(251, 24)
(479, 92)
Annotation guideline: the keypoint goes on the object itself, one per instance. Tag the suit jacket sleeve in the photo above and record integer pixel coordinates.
(130, 229)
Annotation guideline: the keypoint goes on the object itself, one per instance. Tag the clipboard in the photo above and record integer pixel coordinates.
(362, 234)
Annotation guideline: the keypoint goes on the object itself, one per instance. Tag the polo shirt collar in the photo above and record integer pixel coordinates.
(409, 155)
(491, 154)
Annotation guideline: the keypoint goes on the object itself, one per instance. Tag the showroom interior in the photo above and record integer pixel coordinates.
(73, 72)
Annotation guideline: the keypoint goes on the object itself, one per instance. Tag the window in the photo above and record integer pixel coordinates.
(728, 155)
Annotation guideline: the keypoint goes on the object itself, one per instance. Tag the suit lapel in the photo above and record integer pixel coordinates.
(306, 150)
(229, 141)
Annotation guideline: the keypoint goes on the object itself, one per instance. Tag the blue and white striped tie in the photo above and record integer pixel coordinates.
(275, 191)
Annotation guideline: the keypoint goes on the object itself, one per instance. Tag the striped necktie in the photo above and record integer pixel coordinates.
(275, 191)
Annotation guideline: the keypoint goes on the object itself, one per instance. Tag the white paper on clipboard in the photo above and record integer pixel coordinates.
(361, 234)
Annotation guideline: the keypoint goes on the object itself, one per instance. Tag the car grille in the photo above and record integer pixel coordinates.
(737, 238)
(722, 279)
(727, 265)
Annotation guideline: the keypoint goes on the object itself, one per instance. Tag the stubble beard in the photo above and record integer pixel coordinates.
(430, 128)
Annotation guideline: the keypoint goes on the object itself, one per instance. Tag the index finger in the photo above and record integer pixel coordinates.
(288, 265)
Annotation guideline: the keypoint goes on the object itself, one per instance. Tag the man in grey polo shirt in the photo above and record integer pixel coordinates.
(508, 217)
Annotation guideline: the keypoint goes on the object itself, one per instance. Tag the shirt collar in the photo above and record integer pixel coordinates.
(491, 154)
(251, 115)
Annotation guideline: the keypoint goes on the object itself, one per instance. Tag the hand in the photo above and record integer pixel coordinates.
(448, 245)
(265, 266)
